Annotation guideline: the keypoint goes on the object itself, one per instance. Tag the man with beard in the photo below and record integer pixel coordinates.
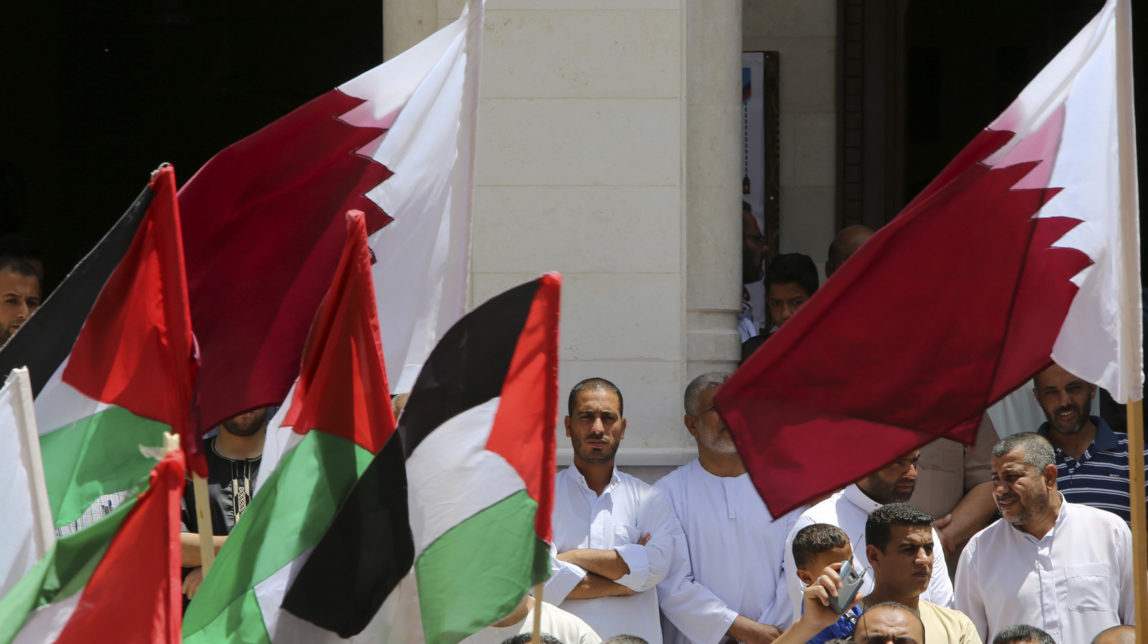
(850, 508)
(613, 534)
(726, 531)
(1063, 567)
(233, 457)
(1091, 461)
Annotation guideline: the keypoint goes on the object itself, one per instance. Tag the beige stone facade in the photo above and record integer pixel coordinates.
(609, 149)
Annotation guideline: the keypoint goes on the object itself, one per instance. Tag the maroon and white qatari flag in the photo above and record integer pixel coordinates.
(1025, 249)
(263, 220)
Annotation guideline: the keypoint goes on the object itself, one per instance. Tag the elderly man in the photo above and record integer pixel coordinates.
(1022, 634)
(900, 551)
(850, 508)
(890, 623)
(1091, 461)
(613, 534)
(726, 530)
(1063, 567)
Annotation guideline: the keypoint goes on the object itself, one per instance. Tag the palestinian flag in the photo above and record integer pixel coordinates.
(117, 581)
(478, 437)
(112, 357)
(340, 416)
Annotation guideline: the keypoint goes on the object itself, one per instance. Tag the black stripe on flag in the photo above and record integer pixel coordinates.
(468, 365)
(368, 548)
(365, 553)
(46, 338)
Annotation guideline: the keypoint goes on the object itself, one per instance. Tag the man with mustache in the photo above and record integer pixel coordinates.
(850, 508)
(1063, 567)
(900, 551)
(19, 295)
(1091, 460)
(613, 534)
(726, 530)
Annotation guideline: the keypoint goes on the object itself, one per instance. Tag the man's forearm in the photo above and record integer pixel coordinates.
(745, 629)
(189, 548)
(593, 586)
(606, 563)
(970, 516)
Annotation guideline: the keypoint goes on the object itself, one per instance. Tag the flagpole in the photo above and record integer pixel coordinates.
(1131, 374)
(537, 637)
(203, 519)
(45, 533)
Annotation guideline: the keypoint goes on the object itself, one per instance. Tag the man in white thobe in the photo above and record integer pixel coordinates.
(850, 508)
(1063, 567)
(613, 534)
(725, 578)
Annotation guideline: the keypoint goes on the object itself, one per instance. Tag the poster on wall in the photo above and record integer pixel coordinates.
(760, 193)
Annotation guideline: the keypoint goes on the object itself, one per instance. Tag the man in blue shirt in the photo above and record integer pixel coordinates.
(1091, 459)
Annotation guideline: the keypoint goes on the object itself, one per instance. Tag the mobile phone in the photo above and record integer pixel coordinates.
(850, 584)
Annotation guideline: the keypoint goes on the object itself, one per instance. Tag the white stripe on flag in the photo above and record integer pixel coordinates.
(451, 476)
(61, 404)
(26, 533)
(47, 622)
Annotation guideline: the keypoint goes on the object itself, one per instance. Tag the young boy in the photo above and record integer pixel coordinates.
(815, 547)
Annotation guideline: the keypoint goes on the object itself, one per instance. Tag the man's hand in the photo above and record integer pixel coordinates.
(748, 631)
(815, 598)
(593, 586)
(192, 581)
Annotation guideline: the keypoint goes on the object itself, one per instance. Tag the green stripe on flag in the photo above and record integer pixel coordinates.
(96, 455)
(242, 622)
(63, 572)
(495, 550)
(290, 514)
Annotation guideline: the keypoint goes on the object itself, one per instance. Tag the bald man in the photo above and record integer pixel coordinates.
(1116, 635)
(890, 623)
(845, 244)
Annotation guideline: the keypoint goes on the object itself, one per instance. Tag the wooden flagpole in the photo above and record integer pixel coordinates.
(45, 533)
(1139, 522)
(203, 519)
(537, 637)
(1129, 229)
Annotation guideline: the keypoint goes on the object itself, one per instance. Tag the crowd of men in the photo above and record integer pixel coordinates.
(697, 557)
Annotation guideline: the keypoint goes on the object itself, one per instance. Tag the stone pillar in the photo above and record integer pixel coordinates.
(712, 181)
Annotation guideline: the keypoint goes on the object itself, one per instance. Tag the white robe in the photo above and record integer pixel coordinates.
(627, 509)
(727, 557)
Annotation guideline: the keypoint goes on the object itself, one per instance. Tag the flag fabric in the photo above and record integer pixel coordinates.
(262, 219)
(1024, 247)
(26, 534)
(478, 437)
(339, 416)
(117, 581)
(112, 357)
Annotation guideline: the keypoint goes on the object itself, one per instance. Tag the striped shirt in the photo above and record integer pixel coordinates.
(1099, 478)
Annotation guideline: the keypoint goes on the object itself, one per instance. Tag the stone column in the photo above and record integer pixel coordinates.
(713, 172)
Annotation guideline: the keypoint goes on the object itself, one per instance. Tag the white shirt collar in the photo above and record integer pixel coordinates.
(860, 499)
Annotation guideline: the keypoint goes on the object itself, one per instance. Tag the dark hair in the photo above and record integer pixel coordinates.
(792, 268)
(624, 639)
(893, 606)
(593, 383)
(816, 539)
(525, 638)
(1022, 634)
(18, 265)
(878, 525)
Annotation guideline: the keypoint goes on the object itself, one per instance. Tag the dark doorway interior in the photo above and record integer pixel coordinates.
(98, 93)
